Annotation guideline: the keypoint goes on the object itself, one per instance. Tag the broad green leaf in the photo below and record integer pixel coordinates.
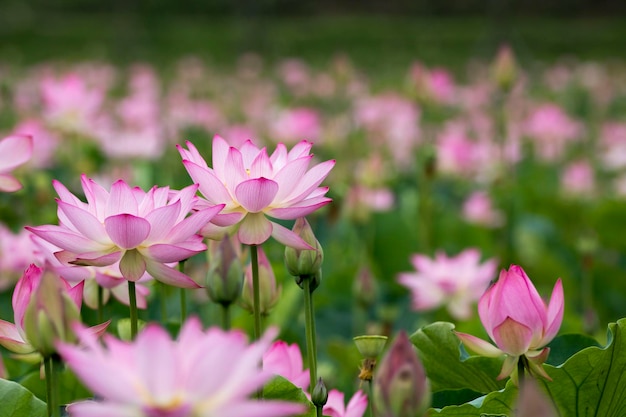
(447, 368)
(17, 401)
(564, 346)
(495, 404)
(281, 389)
(593, 381)
(70, 389)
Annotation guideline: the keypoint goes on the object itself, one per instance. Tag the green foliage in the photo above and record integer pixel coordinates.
(281, 389)
(17, 401)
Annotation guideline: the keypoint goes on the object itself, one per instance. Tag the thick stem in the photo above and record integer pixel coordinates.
(225, 316)
(370, 402)
(254, 258)
(311, 345)
(318, 410)
(183, 296)
(52, 386)
(132, 297)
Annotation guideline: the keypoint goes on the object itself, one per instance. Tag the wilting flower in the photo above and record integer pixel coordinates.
(455, 282)
(286, 360)
(200, 374)
(253, 185)
(44, 308)
(335, 405)
(143, 231)
(269, 290)
(518, 321)
(14, 151)
(401, 388)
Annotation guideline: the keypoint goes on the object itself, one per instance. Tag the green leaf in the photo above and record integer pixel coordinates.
(447, 368)
(593, 381)
(564, 346)
(495, 404)
(70, 389)
(17, 401)
(281, 389)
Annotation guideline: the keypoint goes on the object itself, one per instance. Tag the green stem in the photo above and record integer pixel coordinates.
(183, 296)
(163, 301)
(318, 410)
(310, 331)
(370, 402)
(100, 313)
(521, 365)
(254, 258)
(52, 386)
(225, 316)
(48, 371)
(132, 296)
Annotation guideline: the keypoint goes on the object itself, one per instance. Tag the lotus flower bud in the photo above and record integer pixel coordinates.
(269, 291)
(49, 314)
(400, 385)
(504, 69)
(225, 276)
(304, 262)
(319, 397)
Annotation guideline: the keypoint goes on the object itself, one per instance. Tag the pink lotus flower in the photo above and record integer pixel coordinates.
(17, 251)
(14, 336)
(552, 129)
(14, 151)
(455, 282)
(518, 321)
(201, 374)
(577, 179)
(478, 208)
(335, 406)
(253, 185)
(293, 124)
(286, 360)
(143, 231)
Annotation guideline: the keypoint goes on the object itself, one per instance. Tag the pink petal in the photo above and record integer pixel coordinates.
(84, 222)
(154, 346)
(211, 187)
(220, 152)
(290, 175)
(164, 253)
(127, 231)
(311, 180)
(132, 265)
(249, 153)
(261, 166)
(227, 219)
(301, 209)
(122, 200)
(192, 154)
(512, 337)
(169, 276)
(266, 408)
(89, 259)
(288, 238)
(162, 220)
(479, 346)
(66, 239)
(192, 224)
(256, 194)
(508, 366)
(101, 409)
(14, 151)
(555, 313)
(11, 338)
(255, 229)
(234, 170)
(9, 184)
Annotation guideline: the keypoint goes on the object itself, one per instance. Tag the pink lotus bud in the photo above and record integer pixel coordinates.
(301, 263)
(518, 321)
(268, 289)
(401, 388)
(225, 276)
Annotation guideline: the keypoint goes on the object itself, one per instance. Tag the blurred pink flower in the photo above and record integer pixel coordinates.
(201, 374)
(286, 360)
(518, 321)
(577, 178)
(16, 253)
(612, 143)
(143, 231)
(45, 142)
(15, 150)
(292, 125)
(253, 185)
(455, 282)
(335, 406)
(478, 208)
(551, 129)
(435, 84)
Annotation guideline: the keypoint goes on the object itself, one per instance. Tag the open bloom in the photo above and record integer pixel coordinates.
(335, 406)
(253, 185)
(201, 374)
(144, 231)
(286, 360)
(14, 151)
(518, 321)
(455, 281)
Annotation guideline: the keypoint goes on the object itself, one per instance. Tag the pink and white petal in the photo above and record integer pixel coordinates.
(9, 184)
(357, 405)
(301, 148)
(99, 329)
(103, 409)
(126, 230)
(512, 337)
(508, 367)
(249, 152)
(66, 239)
(162, 220)
(187, 198)
(254, 229)
(12, 340)
(97, 197)
(261, 166)
(192, 154)
(228, 219)
(14, 151)
(279, 157)
(289, 176)
(266, 408)
(170, 276)
(122, 200)
(211, 187)
(555, 313)
(154, 346)
(66, 195)
(84, 222)
(75, 292)
(165, 253)
(288, 237)
(192, 224)
(479, 346)
(220, 149)
(132, 265)
(310, 181)
(89, 258)
(120, 292)
(256, 194)
(301, 209)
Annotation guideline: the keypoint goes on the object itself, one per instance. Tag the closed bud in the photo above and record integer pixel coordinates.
(400, 385)
(49, 314)
(319, 397)
(225, 275)
(504, 69)
(269, 291)
(304, 262)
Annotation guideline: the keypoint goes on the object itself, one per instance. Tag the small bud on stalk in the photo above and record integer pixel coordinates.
(269, 290)
(225, 276)
(305, 264)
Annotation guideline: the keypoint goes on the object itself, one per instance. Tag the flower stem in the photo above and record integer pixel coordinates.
(100, 313)
(318, 410)
(163, 301)
(370, 402)
(311, 345)
(225, 316)
(521, 365)
(52, 386)
(183, 296)
(132, 297)
(254, 259)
